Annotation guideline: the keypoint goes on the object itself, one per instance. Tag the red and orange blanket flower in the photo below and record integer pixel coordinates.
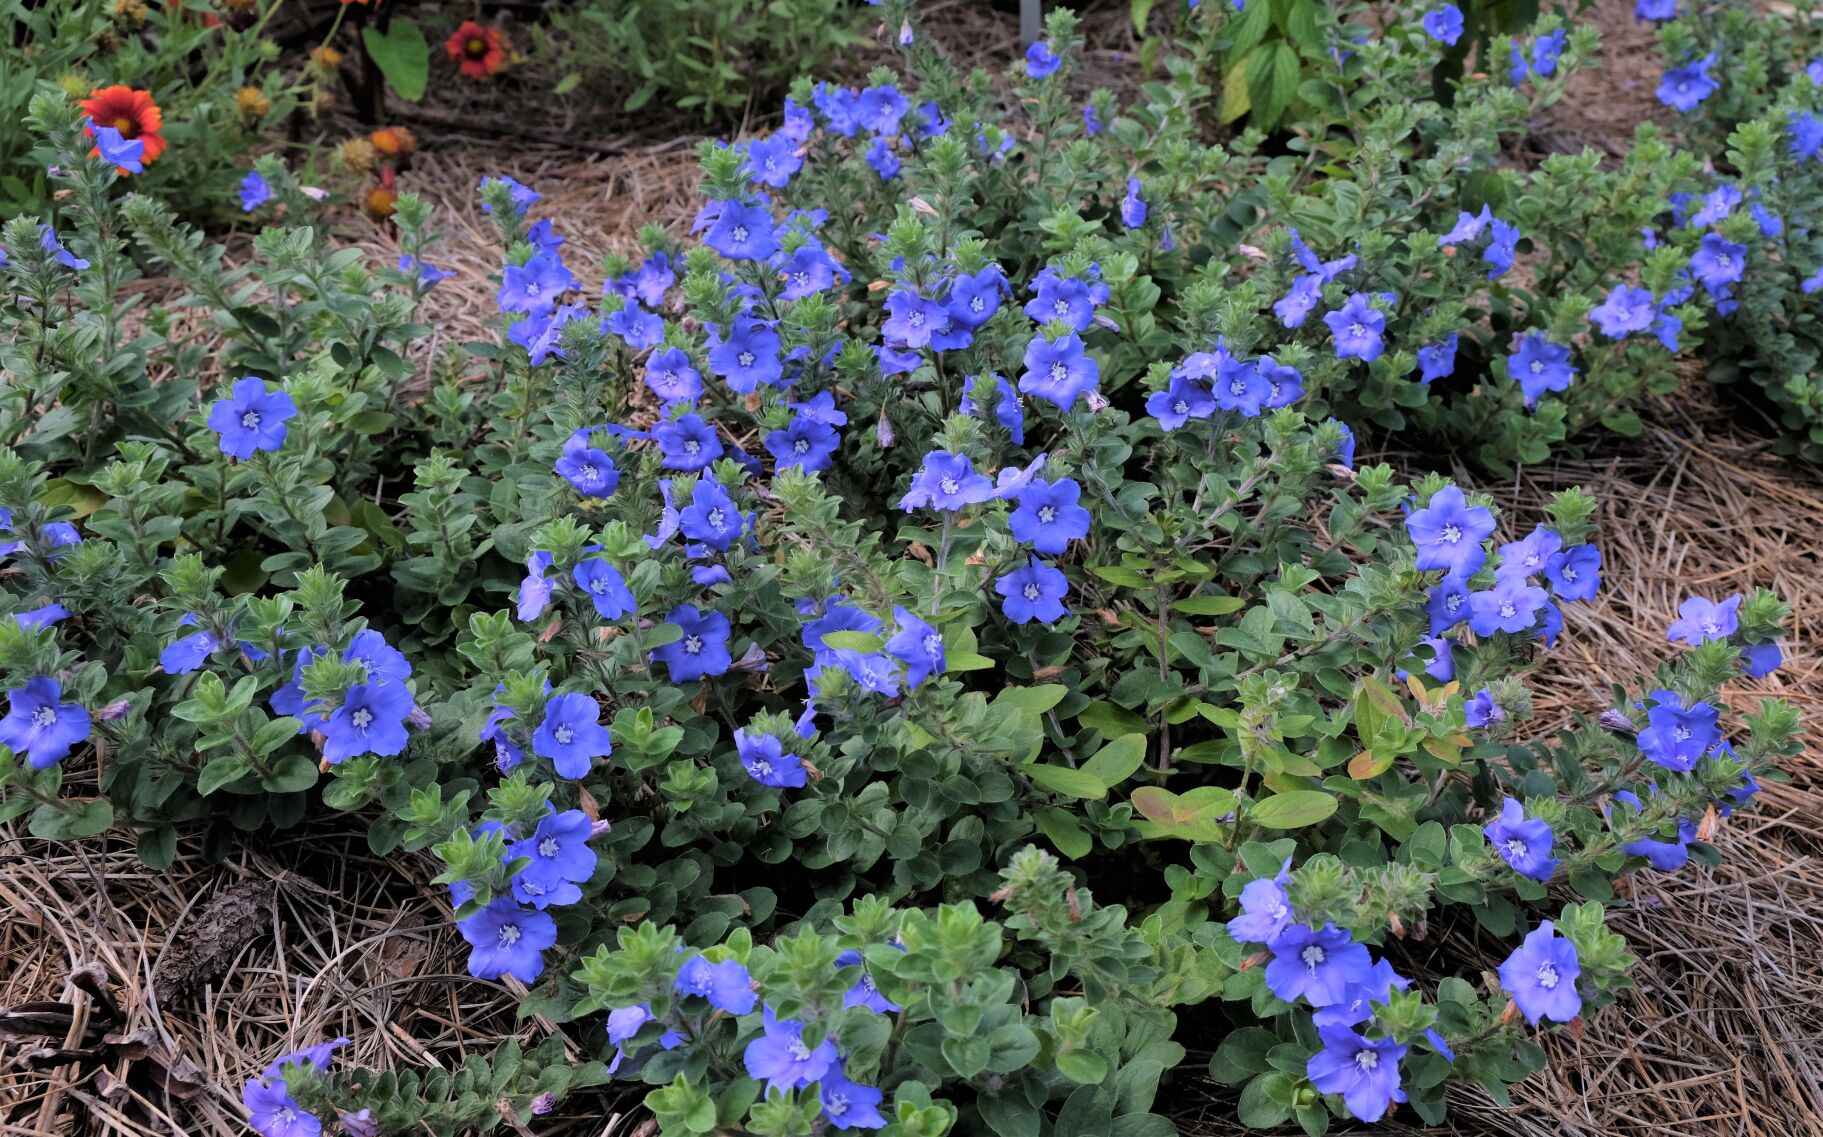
(131, 112)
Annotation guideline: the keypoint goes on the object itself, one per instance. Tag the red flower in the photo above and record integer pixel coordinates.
(131, 112)
(478, 51)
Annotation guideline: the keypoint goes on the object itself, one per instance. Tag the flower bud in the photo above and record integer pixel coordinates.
(360, 1124)
(418, 717)
(544, 1103)
(114, 710)
(1618, 722)
(601, 828)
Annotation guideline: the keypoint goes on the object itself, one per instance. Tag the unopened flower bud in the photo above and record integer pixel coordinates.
(418, 717)
(544, 1103)
(360, 1124)
(114, 710)
(883, 431)
(1618, 722)
(601, 828)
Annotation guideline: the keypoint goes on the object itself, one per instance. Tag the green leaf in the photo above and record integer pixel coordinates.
(1065, 830)
(402, 57)
(1116, 762)
(220, 771)
(1110, 720)
(292, 773)
(1070, 783)
(1082, 1066)
(72, 819)
(1293, 810)
(867, 643)
(1242, 1054)
(568, 83)
(1030, 700)
(1210, 605)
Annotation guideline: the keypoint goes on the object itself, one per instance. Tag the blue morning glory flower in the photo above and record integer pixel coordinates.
(1034, 591)
(1682, 88)
(602, 583)
(873, 671)
(911, 319)
(749, 356)
(1318, 966)
(182, 656)
(1717, 205)
(289, 699)
(1284, 386)
(975, 297)
(1364, 1072)
(1701, 620)
(1091, 121)
(1447, 604)
(558, 849)
(881, 108)
(1539, 366)
(833, 615)
(47, 240)
(1265, 909)
(1676, 737)
(1449, 532)
(1665, 856)
(535, 285)
(670, 376)
(1345, 449)
(711, 516)
(39, 725)
(1048, 517)
(1481, 710)
(1541, 976)
(701, 650)
(1761, 660)
(782, 1059)
(371, 720)
(1296, 305)
(1066, 298)
(917, 646)
(885, 163)
(1357, 328)
(742, 232)
(772, 161)
(1529, 556)
(1575, 573)
(1547, 49)
(687, 443)
(636, 327)
(849, 1105)
(726, 985)
(1524, 844)
(251, 418)
(571, 734)
(1438, 360)
(805, 443)
(1059, 372)
(948, 482)
(273, 1112)
(767, 762)
(1442, 665)
(592, 472)
(1177, 404)
(1512, 606)
(1626, 310)
(1444, 24)
(535, 590)
(864, 993)
(426, 274)
(809, 271)
(1718, 262)
(254, 192)
(505, 939)
(1040, 61)
(1132, 207)
(1009, 409)
(1644, 10)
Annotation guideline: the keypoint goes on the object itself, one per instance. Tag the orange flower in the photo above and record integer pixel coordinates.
(479, 51)
(394, 142)
(379, 203)
(131, 112)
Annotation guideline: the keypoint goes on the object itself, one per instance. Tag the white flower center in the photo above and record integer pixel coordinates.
(531, 288)
(1356, 330)
(801, 446)
(693, 645)
(976, 304)
(1516, 848)
(44, 716)
(1538, 367)
(740, 234)
(692, 446)
(549, 847)
(1312, 956)
(949, 486)
(1547, 976)
(588, 474)
(564, 734)
(762, 767)
(1366, 1060)
(1047, 514)
(1508, 608)
(250, 420)
(361, 718)
(746, 359)
(1030, 592)
(801, 278)
(798, 1051)
(1569, 573)
(916, 319)
(933, 644)
(836, 1105)
(1452, 533)
(509, 935)
(1180, 407)
(1059, 373)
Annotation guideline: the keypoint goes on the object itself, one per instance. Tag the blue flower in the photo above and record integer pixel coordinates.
(1091, 120)
(772, 161)
(687, 443)
(47, 240)
(558, 849)
(1364, 1072)
(1444, 24)
(1482, 711)
(880, 108)
(1701, 620)
(1284, 386)
(522, 196)
(535, 285)
(602, 583)
(1682, 88)
(1806, 134)
(1358, 1002)
(1644, 10)
(781, 1058)
(1177, 404)
(1296, 305)
(1345, 449)
(384, 663)
(1132, 207)
(289, 699)
(1760, 660)
(711, 516)
(1357, 328)
(1469, 226)
(864, 993)
(505, 939)
(1503, 243)
(847, 1104)
(251, 418)
(670, 376)
(1059, 372)
(46, 615)
(1625, 310)
(182, 656)
(1717, 205)
(1438, 360)
(1575, 573)
(1676, 737)
(1546, 50)
(425, 273)
(766, 761)
(726, 985)
(1524, 844)
(884, 162)
(974, 298)
(637, 328)
(535, 589)
(742, 232)
(1528, 557)
(592, 472)
(1449, 532)
(40, 726)
(701, 650)
(1718, 262)
(1447, 604)
(1040, 61)
(1665, 856)
(273, 1112)
(1541, 976)
(1048, 517)
(1066, 298)
(1539, 366)
(912, 319)
(1318, 966)
(918, 646)
(254, 192)
(1034, 591)
(749, 356)
(126, 153)
(1265, 909)
(371, 720)
(948, 482)
(806, 443)
(571, 735)
(809, 271)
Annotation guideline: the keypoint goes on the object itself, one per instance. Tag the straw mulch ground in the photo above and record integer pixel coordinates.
(136, 1002)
